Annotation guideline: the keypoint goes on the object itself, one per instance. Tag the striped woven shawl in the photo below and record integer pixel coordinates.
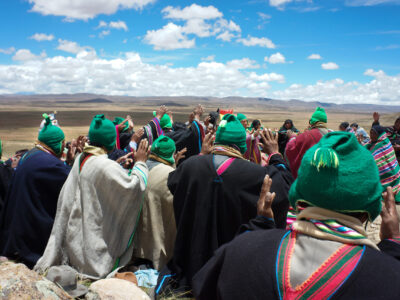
(385, 158)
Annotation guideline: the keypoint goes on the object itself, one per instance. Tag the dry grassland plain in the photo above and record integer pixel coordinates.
(19, 122)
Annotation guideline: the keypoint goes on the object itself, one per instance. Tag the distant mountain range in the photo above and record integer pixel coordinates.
(265, 103)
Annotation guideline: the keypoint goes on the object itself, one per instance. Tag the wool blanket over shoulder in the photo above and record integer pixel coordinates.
(157, 229)
(388, 167)
(97, 214)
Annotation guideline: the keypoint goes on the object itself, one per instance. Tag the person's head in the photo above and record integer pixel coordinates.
(52, 136)
(397, 124)
(288, 124)
(354, 126)
(214, 116)
(165, 122)
(243, 120)
(164, 148)
(256, 124)
(339, 174)
(375, 132)
(102, 133)
(231, 132)
(343, 126)
(319, 116)
(119, 120)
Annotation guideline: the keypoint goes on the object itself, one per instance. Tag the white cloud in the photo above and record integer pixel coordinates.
(278, 3)
(27, 55)
(264, 16)
(244, 63)
(118, 25)
(255, 41)
(370, 2)
(129, 75)
(208, 58)
(104, 33)
(70, 46)
(330, 66)
(314, 56)
(382, 89)
(10, 50)
(85, 10)
(202, 21)
(276, 58)
(42, 37)
(192, 12)
(113, 25)
(168, 38)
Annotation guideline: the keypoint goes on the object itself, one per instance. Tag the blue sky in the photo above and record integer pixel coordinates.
(342, 51)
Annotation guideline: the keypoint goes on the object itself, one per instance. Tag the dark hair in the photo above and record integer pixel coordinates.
(354, 125)
(378, 129)
(21, 152)
(344, 125)
(213, 117)
(288, 121)
(255, 123)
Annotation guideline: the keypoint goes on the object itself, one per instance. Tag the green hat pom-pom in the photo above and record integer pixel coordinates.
(47, 118)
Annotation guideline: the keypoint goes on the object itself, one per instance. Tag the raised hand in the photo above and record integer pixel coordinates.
(269, 142)
(390, 219)
(126, 160)
(208, 143)
(162, 110)
(376, 116)
(143, 151)
(179, 155)
(264, 203)
(137, 135)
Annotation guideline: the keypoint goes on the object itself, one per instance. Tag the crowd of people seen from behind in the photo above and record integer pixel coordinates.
(218, 207)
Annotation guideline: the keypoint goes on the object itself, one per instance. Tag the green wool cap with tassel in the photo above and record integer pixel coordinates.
(319, 116)
(164, 147)
(102, 132)
(340, 175)
(165, 121)
(231, 132)
(52, 136)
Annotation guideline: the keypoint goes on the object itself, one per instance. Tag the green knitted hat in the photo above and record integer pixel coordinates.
(165, 121)
(52, 136)
(119, 120)
(102, 132)
(164, 147)
(231, 132)
(340, 175)
(319, 116)
(241, 117)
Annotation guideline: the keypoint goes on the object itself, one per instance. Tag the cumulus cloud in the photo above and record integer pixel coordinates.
(192, 12)
(168, 38)
(256, 41)
(276, 58)
(114, 25)
(330, 66)
(42, 37)
(27, 55)
(314, 56)
(129, 75)
(84, 10)
(10, 50)
(382, 89)
(70, 46)
(201, 21)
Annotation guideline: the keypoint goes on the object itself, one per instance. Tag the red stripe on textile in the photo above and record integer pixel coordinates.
(224, 166)
(118, 144)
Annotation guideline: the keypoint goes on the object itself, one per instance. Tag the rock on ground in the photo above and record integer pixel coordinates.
(18, 282)
(113, 289)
